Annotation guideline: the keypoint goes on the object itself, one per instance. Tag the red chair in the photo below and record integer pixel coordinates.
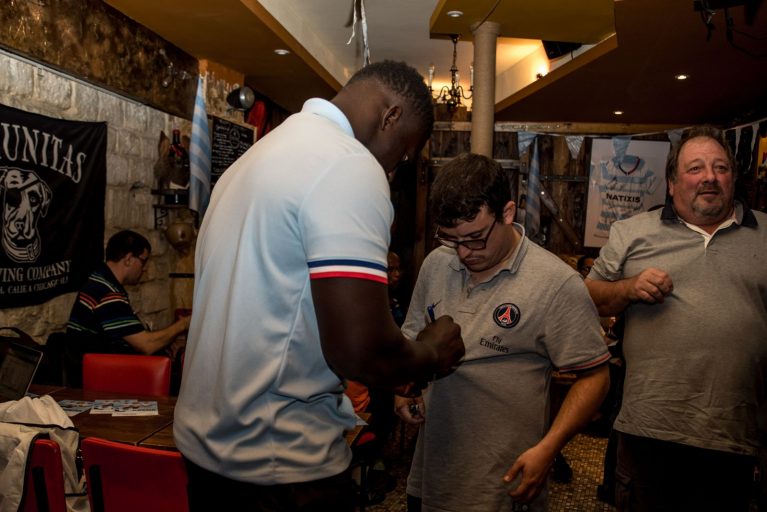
(44, 479)
(121, 373)
(127, 478)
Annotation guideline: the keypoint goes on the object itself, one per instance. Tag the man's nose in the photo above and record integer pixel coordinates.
(463, 251)
(709, 174)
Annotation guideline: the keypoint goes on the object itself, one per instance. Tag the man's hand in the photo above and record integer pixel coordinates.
(177, 344)
(185, 321)
(534, 465)
(149, 342)
(377, 353)
(410, 410)
(651, 286)
(444, 336)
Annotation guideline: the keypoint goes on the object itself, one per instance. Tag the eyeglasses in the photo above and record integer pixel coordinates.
(143, 260)
(472, 245)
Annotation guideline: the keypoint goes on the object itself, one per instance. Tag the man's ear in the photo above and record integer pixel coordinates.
(127, 259)
(390, 117)
(509, 212)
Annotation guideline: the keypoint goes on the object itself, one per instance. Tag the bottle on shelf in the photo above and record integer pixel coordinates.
(177, 150)
(179, 176)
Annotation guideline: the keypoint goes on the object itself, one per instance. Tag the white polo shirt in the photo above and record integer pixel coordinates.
(258, 402)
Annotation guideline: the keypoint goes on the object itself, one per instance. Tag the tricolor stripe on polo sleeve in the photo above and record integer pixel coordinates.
(587, 365)
(355, 269)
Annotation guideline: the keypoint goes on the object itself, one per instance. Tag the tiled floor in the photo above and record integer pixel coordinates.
(584, 453)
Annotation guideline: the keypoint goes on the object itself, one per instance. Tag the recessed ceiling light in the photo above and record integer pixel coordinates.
(455, 14)
(682, 77)
(281, 51)
(618, 112)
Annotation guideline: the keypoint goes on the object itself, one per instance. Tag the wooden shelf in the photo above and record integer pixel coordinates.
(181, 201)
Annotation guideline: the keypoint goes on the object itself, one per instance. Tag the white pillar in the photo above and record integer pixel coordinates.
(483, 100)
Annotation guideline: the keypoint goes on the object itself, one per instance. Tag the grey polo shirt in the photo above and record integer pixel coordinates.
(696, 364)
(534, 315)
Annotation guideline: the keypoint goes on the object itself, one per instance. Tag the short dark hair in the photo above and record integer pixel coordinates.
(405, 81)
(464, 185)
(582, 261)
(711, 132)
(126, 242)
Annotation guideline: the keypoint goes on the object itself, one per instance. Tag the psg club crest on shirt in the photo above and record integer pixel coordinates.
(507, 315)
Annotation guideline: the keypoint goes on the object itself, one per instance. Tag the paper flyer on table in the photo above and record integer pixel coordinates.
(126, 407)
(136, 408)
(75, 407)
(107, 406)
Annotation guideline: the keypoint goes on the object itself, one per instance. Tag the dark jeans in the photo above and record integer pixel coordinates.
(660, 476)
(208, 491)
(617, 377)
(413, 504)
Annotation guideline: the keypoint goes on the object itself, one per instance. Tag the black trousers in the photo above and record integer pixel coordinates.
(660, 476)
(210, 492)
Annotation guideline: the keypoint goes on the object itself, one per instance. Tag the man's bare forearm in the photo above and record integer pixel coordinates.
(610, 297)
(581, 403)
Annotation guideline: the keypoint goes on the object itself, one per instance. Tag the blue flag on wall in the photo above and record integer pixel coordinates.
(532, 217)
(199, 155)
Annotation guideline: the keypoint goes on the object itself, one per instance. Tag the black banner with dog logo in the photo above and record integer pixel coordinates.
(52, 183)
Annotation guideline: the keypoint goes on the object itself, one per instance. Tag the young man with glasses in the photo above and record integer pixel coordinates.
(485, 441)
(102, 319)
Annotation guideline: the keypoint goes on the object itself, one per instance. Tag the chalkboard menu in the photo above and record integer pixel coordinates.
(228, 142)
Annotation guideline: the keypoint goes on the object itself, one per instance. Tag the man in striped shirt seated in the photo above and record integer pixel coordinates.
(102, 319)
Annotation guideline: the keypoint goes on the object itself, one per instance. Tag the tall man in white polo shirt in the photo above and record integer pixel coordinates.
(291, 294)
(691, 280)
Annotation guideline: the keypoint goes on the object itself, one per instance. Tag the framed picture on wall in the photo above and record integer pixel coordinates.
(626, 177)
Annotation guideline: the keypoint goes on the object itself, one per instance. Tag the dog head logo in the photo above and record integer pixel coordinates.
(26, 198)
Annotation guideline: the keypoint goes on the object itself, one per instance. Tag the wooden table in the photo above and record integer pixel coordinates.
(148, 431)
(125, 429)
(163, 438)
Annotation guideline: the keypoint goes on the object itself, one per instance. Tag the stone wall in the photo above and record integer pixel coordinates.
(91, 40)
(133, 134)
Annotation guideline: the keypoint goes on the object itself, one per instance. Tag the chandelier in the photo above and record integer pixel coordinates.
(451, 96)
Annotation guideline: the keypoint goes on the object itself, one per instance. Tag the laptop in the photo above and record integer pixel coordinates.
(17, 369)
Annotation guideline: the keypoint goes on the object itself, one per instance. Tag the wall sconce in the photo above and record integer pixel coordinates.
(172, 72)
(451, 96)
(241, 98)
